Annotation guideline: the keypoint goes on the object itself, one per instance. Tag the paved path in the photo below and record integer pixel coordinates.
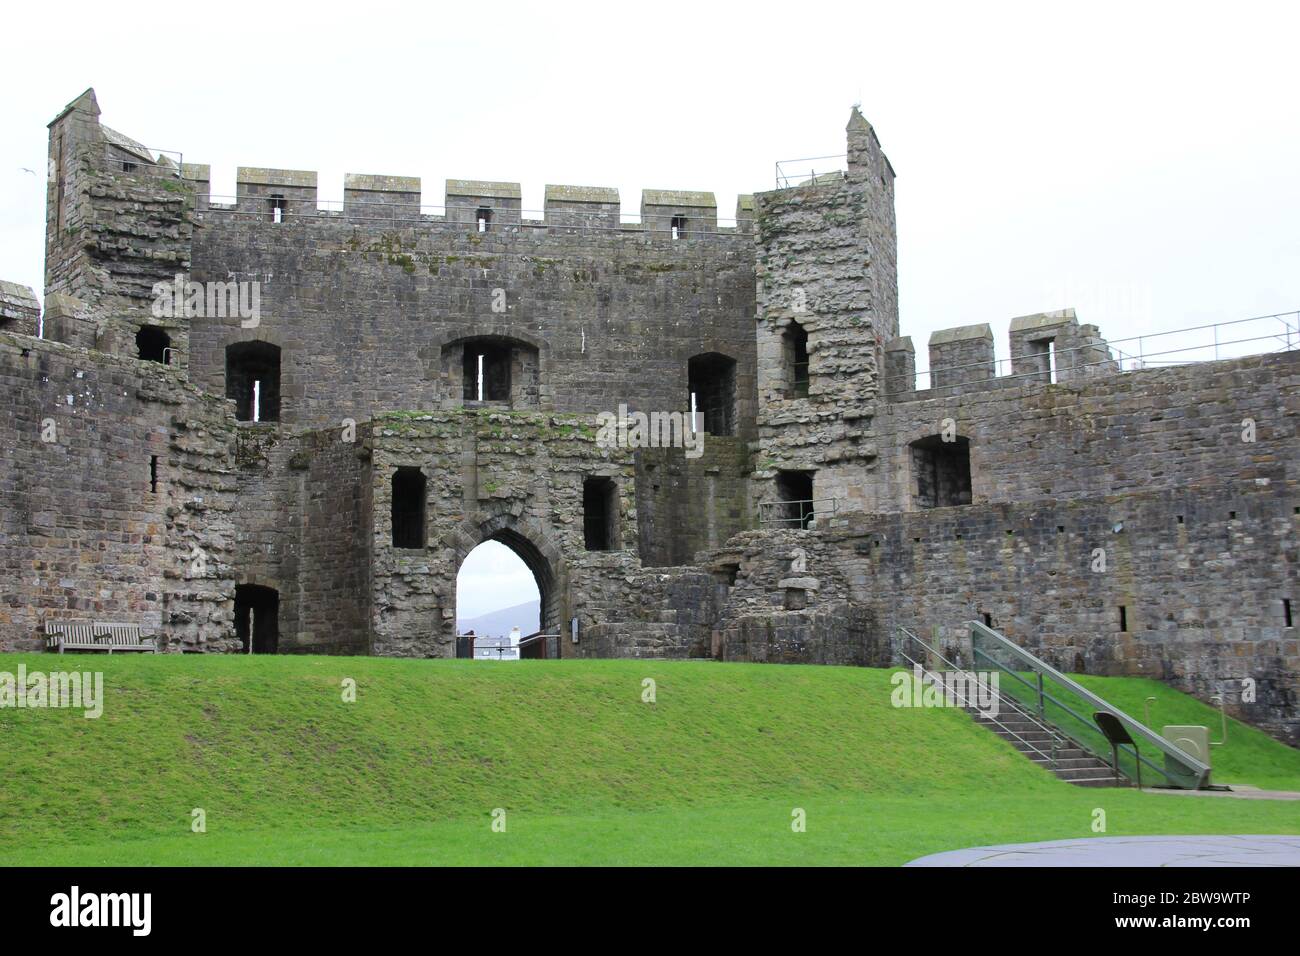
(1130, 851)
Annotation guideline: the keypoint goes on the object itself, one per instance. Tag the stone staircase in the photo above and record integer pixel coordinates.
(1073, 764)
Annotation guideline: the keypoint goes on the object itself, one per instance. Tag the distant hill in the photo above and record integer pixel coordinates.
(498, 623)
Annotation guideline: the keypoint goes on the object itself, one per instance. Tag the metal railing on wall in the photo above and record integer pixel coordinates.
(1234, 338)
(811, 169)
(796, 513)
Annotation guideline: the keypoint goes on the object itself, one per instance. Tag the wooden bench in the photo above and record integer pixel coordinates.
(97, 636)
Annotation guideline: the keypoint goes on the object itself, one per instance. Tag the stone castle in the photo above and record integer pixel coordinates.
(298, 456)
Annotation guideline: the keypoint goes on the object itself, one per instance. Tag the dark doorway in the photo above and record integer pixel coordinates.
(795, 488)
(257, 618)
(253, 380)
(408, 508)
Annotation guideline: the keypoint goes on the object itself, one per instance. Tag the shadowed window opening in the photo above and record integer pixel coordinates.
(1043, 353)
(487, 372)
(257, 618)
(795, 488)
(153, 474)
(712, 383)
(941, 472)
(1123, 618)
(279, 207)
(600, 514)
(1286, 611)
(678, 226)
(408, 508)
(152, 343)
(483, 219)
(253, 381)
(795, 342)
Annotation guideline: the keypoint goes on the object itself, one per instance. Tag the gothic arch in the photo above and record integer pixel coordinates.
(535, 548)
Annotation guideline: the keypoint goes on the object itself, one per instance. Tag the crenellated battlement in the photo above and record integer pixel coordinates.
(1046, 347)
(285, 195)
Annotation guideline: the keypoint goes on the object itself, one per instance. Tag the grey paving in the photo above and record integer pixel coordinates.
(1130, 851)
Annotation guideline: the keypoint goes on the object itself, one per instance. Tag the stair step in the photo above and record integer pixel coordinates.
(1108, 781)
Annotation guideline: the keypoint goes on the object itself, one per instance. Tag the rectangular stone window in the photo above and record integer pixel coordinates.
(487, 372)
(253, 380)
(408, 508)
(153, 474)
(678, 227)
(941, 472)
(711, 378)
(483, 219)
(600, 514)
(794, 343)
(1123, 618)
(279, 208)
(1043, 355)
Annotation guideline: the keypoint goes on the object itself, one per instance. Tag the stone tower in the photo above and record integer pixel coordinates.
(827, 300)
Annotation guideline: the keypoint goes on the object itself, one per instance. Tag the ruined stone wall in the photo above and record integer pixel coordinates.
(826, 263)
(118, 220)
(20, 311)
(331, 594)
(685, 505)
(85, 536)
(369, 315)
(512, 476)
(1202, 573)
(1137, 431)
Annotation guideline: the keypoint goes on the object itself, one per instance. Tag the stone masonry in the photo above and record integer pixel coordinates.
(414, 384)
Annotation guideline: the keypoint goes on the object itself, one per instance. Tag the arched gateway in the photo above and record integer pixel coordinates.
(538, 552)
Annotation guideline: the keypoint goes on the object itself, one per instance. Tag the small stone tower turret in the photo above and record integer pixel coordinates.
(827, 305)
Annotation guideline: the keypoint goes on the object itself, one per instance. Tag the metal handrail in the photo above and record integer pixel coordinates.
(1044, 696)
(1013, 705)
(1199, 772)
(814, 511)
(785, 179)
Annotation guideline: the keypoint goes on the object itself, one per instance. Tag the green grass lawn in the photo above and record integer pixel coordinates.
(586, 772)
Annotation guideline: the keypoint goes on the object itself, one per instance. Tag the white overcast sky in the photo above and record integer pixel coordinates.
(1139, 161)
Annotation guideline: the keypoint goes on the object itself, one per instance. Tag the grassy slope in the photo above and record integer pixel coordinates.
(288, 772)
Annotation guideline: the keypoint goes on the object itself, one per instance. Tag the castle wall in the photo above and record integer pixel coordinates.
(1171, 428)
(827, 255)
(1202, 595)
(365, 313)
(334, 529)
(116, 222)
(517, 477)
(84, 535)
(686, 505)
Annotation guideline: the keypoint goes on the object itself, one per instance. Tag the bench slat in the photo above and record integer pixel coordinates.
(97, 635)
